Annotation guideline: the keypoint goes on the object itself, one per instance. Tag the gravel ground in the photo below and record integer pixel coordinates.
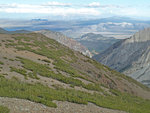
(25, 106)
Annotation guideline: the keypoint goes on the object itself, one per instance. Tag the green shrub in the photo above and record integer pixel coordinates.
(45, 60)
(1, 63)
(4, 109)
(20, 71)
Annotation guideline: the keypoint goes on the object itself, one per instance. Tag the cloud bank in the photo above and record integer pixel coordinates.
(54, 8)
(93, 9)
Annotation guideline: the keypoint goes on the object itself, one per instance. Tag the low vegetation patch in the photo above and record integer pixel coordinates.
(44, 70)
(1, 63)
(4, 109)
(49, 48)
(24, 73)
(45, 95)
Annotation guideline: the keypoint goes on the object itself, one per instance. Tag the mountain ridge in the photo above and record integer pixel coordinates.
(96, 43)
(130, 56)
(65, 41)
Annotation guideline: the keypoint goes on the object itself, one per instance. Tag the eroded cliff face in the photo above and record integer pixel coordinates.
(72, 44)
(130, 56)
(140, 69)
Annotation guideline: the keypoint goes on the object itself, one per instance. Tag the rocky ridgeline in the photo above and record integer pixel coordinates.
(66, 41)
(141, 36)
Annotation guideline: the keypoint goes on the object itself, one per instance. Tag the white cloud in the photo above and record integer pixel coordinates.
(98, 5)
(57, 4)
(51, 9)
(42, 9)
(111, 6)
(94, 4)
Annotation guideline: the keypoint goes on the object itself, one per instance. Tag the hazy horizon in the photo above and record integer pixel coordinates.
(74, 10)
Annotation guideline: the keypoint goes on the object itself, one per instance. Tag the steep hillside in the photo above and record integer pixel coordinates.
(66, 41)
(130, 56)
(36, 69)
(96, 43)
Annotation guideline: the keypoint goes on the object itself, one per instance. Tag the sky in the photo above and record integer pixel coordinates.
(73, 9)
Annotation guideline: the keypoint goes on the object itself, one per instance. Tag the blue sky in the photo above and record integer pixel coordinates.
(74, 9)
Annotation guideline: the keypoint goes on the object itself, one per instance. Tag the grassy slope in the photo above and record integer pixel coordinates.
(43, 94)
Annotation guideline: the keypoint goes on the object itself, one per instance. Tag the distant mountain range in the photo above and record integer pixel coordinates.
(130, 56)
(118, 27)
(96, 43)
